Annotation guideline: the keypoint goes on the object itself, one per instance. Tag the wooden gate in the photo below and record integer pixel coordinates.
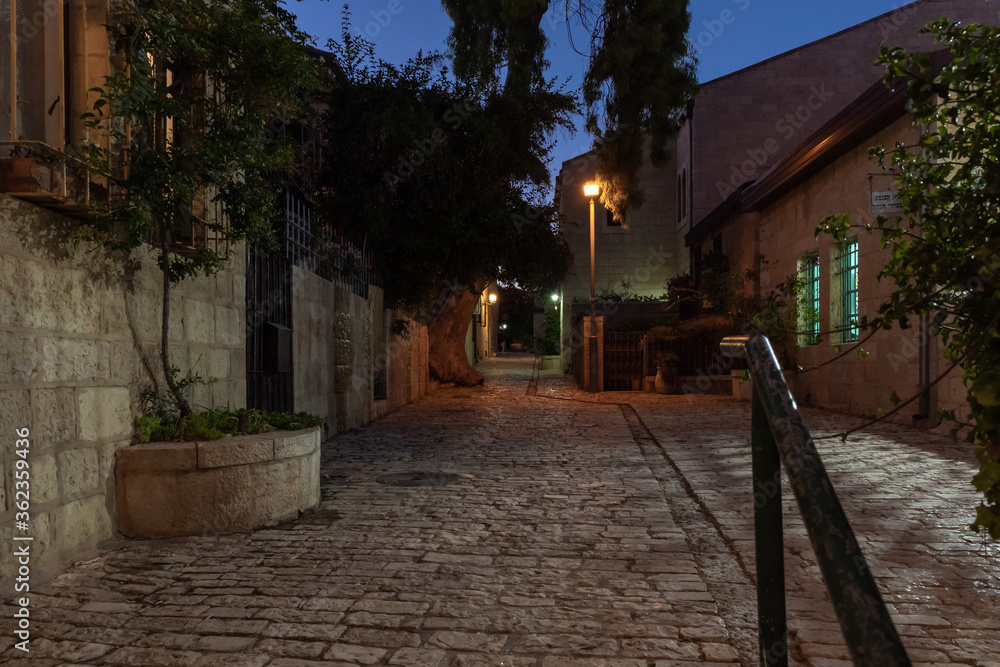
(623, 369)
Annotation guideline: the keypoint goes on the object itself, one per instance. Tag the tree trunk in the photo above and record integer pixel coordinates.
(447, 359)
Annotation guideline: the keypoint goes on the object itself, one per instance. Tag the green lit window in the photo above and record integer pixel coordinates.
(848, 269)
(809, 300)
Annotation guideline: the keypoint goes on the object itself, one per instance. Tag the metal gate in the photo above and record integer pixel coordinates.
(623, 360)
(269, 331)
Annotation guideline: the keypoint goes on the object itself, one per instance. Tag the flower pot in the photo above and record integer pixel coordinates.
(665, 383)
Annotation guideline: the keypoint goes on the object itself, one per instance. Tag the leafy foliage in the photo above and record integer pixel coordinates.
(188, 117)
(643, 71)
(550, 342)
(944, 250)
(219, 423)
(436, 180)
(640, 77)
(621, 293)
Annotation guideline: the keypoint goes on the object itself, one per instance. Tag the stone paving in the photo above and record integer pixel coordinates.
(577, 530)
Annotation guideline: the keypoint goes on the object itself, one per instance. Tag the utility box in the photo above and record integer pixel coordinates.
(277, 348)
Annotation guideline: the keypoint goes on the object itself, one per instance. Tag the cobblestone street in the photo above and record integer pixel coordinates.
(558, 529)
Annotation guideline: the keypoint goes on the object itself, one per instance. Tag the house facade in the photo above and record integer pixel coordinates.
(745, 130)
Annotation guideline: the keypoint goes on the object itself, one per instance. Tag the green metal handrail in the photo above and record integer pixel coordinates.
(779, 435)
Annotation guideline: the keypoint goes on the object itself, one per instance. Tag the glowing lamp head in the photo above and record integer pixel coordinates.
(493, 298)
(591, 190)
(555, 297)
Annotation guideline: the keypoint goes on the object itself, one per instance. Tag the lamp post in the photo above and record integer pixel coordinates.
(592, 190)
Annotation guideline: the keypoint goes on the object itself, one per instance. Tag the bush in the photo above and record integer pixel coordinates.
(549, 343)
(160, 426)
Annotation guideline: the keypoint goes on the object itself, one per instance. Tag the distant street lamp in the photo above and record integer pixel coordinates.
(592, 190)
(493, 298)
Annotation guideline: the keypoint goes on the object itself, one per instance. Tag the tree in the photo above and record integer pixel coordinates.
(447, 174)
(423, 167)
(945, 247)
(190, 116)
(640, 77)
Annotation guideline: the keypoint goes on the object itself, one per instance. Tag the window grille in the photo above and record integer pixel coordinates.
(848, 262)
(809, 300)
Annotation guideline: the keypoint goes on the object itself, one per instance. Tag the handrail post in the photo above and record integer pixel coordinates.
(768, 540)
(865, 622)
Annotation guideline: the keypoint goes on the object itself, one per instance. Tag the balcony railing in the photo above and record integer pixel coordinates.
(316, 247)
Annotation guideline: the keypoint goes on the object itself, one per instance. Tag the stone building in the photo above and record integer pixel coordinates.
(80, 329)
(831, 173)
(752, 128)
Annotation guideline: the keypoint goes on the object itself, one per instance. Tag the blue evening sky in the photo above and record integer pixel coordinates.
(728, 34)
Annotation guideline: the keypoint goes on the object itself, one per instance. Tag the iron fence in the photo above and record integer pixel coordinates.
(315, 246)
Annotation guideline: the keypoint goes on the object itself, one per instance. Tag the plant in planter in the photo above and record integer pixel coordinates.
(662, 341)
(666, 372)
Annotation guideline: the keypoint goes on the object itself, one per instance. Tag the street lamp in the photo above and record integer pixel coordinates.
(592, 190)
(493, 298)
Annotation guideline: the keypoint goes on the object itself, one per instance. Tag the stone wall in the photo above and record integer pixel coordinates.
(405, 360)
(313, 347)
(644, 254)
(79, 336)
(339, 339)
(854, 384)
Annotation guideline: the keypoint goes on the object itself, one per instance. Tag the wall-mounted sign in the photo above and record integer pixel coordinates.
(886, 202)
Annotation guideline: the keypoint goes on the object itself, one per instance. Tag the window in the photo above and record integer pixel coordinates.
(681, 195)
(808, 302)
(57, 52)
(847, 267)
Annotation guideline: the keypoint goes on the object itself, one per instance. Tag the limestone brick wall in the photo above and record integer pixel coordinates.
(644, 255)
(79, 336)
(852, 384)
(745, 122)
(313, 347)
(407, 365)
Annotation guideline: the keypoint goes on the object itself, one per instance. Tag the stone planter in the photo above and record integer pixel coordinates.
(551, 362)
(742, 390)
(238, 484)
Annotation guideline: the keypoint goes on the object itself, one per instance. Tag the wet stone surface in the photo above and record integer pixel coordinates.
(574, 533)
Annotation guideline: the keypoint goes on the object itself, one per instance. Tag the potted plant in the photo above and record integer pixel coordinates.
(666, 372)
